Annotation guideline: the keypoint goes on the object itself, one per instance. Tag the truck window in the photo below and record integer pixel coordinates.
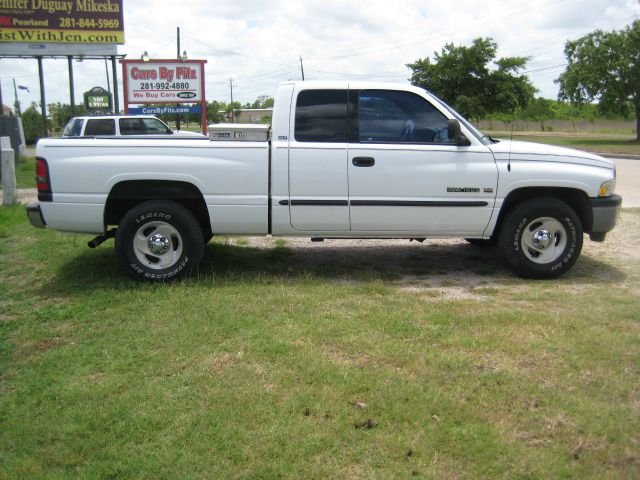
(321, 116)
(73, 128)
(154, 126)
(143, 126)
(387, 116)
(100, 126)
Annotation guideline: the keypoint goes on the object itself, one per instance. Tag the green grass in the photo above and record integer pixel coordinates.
(597, 144)
(277, 364)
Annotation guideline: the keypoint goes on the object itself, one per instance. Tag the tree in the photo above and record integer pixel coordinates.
(263, 101)
(605, 67)
(61, 113)
(473, 81)
(539, 109)
(32, 124)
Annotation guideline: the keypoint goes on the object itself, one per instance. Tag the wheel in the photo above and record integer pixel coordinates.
(159, 240)
(482, 242)
(541, 238)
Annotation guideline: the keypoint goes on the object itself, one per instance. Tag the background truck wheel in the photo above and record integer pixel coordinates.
(159, 240)
(541, 238)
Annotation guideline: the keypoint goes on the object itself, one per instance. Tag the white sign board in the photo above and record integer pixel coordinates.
(164, 81)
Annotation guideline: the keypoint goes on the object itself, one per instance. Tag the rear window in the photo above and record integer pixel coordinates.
(321, 116)
(73, 128)
(100, 126)
(143, 126)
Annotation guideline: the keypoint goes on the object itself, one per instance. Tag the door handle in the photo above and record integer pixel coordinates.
(363, 161)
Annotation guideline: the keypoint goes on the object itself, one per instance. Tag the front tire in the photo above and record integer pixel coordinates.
(159, 240)
(541, 238)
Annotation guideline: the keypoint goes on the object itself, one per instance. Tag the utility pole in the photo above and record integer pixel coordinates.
(231, 87)
(302, 68)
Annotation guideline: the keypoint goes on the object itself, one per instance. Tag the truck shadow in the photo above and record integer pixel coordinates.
(380, 260)
(443, 262)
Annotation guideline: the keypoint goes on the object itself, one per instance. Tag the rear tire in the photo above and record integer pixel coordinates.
(541, 238)
(159, 240)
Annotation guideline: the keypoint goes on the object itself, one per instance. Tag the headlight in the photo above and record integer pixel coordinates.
(606, 188)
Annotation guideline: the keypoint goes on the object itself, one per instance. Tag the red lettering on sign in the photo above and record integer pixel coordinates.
(186, 73)
(139, 74)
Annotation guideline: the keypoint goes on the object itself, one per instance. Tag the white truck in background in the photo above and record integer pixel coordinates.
(344, 160)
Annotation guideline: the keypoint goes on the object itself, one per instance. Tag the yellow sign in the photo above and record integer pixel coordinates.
(60, 21)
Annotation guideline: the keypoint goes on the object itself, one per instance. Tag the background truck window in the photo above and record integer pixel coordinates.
(100, 126)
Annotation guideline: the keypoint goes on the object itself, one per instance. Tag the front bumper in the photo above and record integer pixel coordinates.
(605, 211)
(35, 215)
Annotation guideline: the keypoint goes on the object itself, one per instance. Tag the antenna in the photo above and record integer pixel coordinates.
(302, 68)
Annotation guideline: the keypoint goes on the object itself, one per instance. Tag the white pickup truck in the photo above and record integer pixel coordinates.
(344, 160)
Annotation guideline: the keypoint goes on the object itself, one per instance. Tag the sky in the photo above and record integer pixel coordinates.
(258, 43)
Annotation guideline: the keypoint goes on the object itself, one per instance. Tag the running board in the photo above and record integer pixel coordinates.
(100, 239)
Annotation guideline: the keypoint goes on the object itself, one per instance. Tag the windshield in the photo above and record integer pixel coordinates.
(483, 137)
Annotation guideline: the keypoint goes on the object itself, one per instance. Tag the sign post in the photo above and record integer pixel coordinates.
(165, 82)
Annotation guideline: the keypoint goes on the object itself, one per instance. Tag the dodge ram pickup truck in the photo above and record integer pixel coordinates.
(343, 160)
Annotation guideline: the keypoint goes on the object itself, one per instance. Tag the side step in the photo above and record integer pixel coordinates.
(100, 239)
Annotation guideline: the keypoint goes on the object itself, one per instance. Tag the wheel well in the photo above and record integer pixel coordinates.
(126, 195)
(576, 199)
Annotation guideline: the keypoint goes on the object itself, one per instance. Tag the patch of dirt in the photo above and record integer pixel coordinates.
(452, 269)
(24, 195)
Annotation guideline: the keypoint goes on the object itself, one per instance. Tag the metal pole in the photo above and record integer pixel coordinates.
(72, 97)
(178, 34)
(15, 94)
(106, 70)
(1, 104)
(178, 57)
(114, 71)
(43, 102)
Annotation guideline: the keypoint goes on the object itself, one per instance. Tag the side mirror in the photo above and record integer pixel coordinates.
(455, 134)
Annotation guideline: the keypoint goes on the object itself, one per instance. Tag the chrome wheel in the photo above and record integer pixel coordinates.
(157, 245)
(544, 240)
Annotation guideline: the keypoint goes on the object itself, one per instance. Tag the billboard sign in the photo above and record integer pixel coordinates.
(163, 81)
(166, 110)
(97, 99)
(77, 21)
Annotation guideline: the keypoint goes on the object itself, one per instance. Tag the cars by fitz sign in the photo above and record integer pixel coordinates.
(163, 81)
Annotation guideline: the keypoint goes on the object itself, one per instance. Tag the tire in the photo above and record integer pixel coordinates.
(541, 238)
(159, 240)
(482, 242)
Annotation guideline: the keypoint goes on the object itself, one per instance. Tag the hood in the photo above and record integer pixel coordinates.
(530, 151)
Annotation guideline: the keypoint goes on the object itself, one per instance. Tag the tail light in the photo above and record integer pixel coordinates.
(43, 181)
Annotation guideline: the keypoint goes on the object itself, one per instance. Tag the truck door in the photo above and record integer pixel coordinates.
(405, 175)
(318, 184)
